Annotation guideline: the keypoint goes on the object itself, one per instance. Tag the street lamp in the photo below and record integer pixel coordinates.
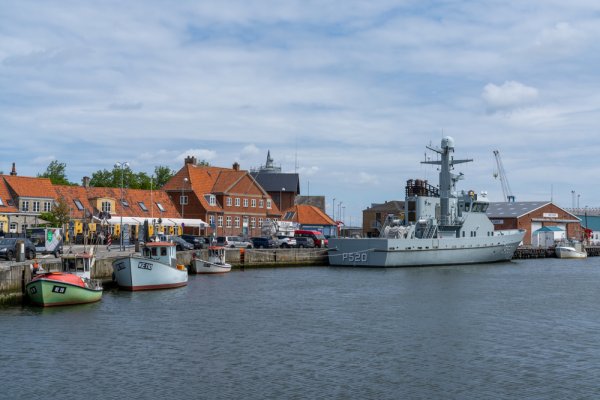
(122, 165)
(282, 190)
(185, 180)
(333, 209)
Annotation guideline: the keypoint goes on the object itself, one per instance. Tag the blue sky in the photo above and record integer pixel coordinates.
(349, 92)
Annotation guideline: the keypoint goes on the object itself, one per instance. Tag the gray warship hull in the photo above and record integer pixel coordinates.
(388, 252)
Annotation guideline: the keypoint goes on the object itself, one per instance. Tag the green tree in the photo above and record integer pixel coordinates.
(59, 216)
(132, 180)
(102, 178)
(56, 172)
(162, 175)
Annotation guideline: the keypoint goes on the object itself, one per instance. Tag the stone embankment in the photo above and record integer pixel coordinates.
(15, 276)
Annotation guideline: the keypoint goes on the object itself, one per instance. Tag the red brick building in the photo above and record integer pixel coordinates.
(533, 215)
(228, 199)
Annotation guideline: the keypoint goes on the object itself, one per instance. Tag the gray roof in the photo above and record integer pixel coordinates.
(277, 182)
(514, 209)
(392, 205)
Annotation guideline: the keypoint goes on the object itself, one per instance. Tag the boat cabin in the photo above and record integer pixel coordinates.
(164, 252)
(470, 202)
(216, 254)
(78, 264)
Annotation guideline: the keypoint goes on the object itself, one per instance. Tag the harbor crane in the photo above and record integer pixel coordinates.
(503, 180)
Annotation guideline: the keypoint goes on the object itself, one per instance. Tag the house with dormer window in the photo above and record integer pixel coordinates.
(229, 198)
(24, 199)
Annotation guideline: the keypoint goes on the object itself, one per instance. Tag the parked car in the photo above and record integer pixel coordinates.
(320, 240)
(233, 241)
(263, 242)
(180, 243)
(8, 248)
(286, 241)
(305, 242)
(199, 242)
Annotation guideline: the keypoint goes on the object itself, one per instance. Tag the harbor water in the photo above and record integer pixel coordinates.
(527, 329)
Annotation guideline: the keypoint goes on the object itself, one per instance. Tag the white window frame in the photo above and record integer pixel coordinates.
(212, 200)
(245, 203)
(261, 203)
(47, 206)
(25, 205)
(268, 204)
(237, 201)
(35, 206)
(260, 222)
(229, 201)
(237, 222)
(253, 203)
(106, 206)
(220, 221)
(253, 222)
(228, 222)
(183, 200)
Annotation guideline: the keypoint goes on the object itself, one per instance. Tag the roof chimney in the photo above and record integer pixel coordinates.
(190, 160)
(86, 181)
(236, 166)
(14, 170)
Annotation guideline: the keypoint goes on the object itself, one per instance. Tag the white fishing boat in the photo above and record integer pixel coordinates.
(441, 226)
(155, 268)
(214, 265)
(569, 251)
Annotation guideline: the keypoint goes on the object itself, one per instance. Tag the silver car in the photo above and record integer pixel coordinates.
(286, 241)
(233, 241)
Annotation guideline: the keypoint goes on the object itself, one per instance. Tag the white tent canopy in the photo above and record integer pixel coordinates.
(115, 220)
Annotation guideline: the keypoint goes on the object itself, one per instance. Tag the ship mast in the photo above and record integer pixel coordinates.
(447, 179)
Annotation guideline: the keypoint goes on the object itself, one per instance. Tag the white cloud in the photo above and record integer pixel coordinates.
(367, 179)
(560, 40)
(510, 94)
(354, 88)
(200, 154)
(249, 151)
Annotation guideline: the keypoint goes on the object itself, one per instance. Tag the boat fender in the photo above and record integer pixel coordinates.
(181, 267)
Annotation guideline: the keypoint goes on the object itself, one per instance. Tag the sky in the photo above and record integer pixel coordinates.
(346, 93)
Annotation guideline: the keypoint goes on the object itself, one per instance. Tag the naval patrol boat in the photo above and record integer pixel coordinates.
(440, 227)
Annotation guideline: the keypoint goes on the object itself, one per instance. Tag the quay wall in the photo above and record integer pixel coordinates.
(13, 278)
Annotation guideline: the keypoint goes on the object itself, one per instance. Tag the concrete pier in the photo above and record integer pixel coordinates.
(15, 276)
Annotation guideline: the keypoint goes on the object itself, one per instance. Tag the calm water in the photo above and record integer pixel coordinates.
(521, 330)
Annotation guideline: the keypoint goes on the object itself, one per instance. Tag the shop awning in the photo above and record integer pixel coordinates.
(192, 222)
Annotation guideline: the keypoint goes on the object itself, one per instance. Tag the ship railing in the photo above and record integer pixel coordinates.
(430, 230)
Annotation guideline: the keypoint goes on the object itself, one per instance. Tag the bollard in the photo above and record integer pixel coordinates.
(20, 256)
(242, 252)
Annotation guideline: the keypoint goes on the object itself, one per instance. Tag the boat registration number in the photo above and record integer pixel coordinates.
(145, 265)
(355, 257)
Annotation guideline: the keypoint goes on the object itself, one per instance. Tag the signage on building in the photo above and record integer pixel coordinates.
(497, 221)
(550, 215)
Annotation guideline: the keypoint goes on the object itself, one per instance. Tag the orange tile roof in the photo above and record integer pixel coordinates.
(310, 215)
(6, 198)
(24, 186)
(133, 197)
(204, 179)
